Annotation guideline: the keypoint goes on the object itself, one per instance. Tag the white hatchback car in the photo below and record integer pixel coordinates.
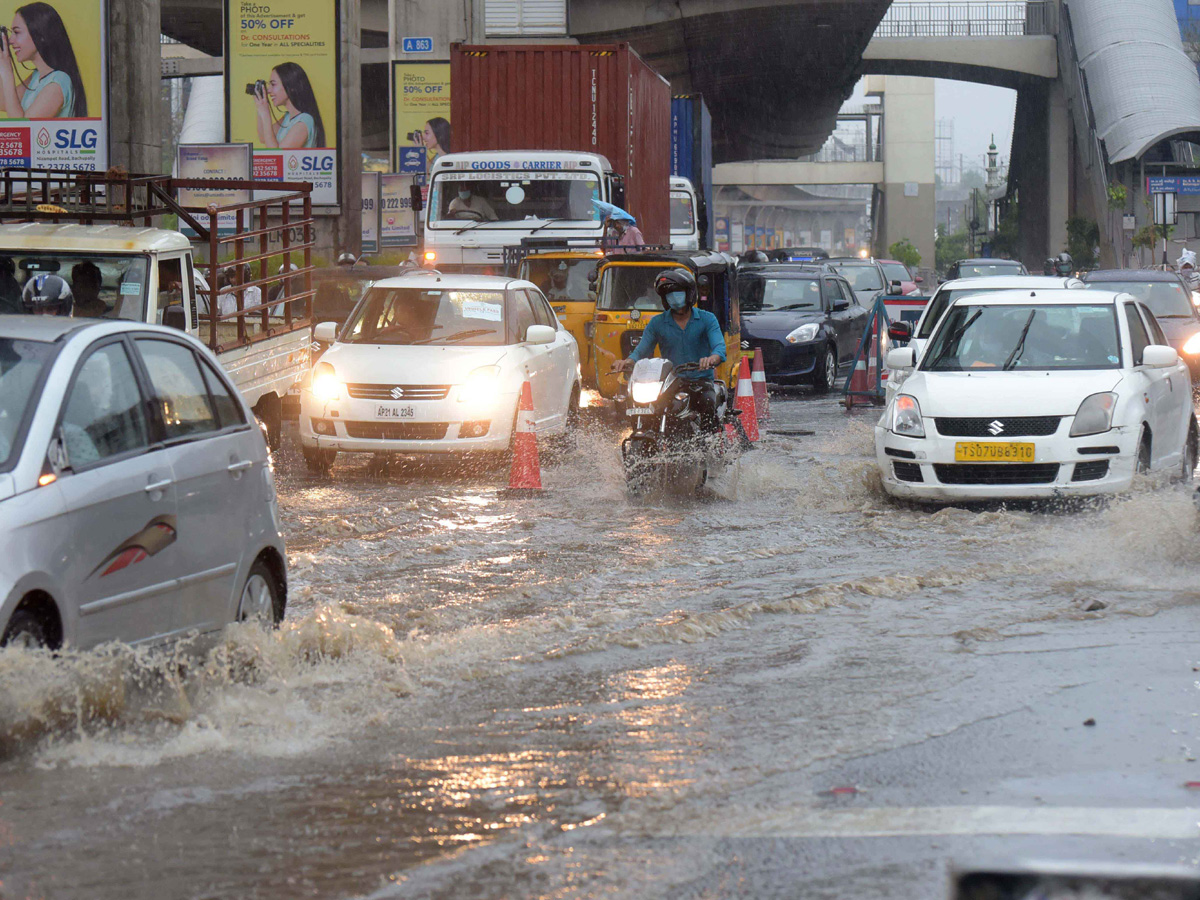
(431, 363)
(1028, 394)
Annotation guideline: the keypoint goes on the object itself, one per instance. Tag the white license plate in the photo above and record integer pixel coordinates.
(640, 411)
(394, 412)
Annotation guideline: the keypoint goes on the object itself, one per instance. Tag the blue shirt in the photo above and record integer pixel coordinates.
(286, 123)
(702, 337)
(37, 83)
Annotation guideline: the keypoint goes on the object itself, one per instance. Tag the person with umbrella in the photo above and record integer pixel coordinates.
(620, 225)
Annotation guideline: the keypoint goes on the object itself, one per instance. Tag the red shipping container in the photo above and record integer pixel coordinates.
(584, 98)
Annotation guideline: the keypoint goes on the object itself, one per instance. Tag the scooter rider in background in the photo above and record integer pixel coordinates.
(684, 335)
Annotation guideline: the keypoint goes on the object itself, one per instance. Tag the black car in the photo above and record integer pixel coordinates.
(984, 268)
(805, 319)
(1167, 297)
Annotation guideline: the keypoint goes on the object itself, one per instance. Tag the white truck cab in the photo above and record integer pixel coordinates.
(481, 203)
(685, 227)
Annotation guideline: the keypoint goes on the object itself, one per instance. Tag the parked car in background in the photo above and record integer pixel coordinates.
(1165, 294)
(1037, 394)
(136, 496)
(806, 321)
(797, 254)
(896, 271)
(865, 276)
(983, 268)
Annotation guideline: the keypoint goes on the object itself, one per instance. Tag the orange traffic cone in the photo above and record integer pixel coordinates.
(872, 366)
(758, 379)
(526, 472)
(858, 385)
(745, 401)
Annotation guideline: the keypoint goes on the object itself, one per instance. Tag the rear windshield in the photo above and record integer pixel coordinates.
(21, 362)
(761, 293)
(73, 284)
(1166, 299)
(414, 316)
(983, 270)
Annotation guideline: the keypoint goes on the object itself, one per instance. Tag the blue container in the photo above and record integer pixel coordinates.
(691, 155)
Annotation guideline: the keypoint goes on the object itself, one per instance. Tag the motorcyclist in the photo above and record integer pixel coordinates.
(1050, 266)
(684, 335)
(1064, 265)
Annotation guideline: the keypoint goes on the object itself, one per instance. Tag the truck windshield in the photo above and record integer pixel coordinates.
(93, 286)
(414, 316)
(683, 219)
(561, 279)
(630, 287)
(458, 199)
(20, 364)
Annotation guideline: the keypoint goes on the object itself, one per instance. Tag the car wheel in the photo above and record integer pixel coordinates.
(262, 600)
(25, 630)
(319, 462)
(270, 413)
(1191, 449)
(1143, 455)
(825, 374)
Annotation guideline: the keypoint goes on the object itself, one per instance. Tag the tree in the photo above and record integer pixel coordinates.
(1007, 238)
(904, 251)
(949, 248)
(1082, 237)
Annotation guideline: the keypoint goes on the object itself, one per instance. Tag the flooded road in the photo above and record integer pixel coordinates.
(792, 687)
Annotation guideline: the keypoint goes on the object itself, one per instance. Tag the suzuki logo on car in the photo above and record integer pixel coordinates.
(995, 426)
(397, 393)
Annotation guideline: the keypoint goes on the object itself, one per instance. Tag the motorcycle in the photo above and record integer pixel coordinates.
(670, 447)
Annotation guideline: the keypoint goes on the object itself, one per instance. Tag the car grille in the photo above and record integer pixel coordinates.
(996, 473)
(908, 471)
(772, 353)
(398, 431)
(1093, 470)
(629, 340)
(407, 391)
(1013, 426)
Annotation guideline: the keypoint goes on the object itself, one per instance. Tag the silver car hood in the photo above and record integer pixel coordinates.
(8, 487)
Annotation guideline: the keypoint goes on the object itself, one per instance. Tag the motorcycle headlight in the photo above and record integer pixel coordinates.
(1192, 347)
(482, 386)
(906, 417)
(804, 334)
(1094, 415)
(645, 392)
(326, 387)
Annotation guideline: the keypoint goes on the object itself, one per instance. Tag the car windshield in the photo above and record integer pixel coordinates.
(895, 272)
(862, 276)
(1011, 337)
(629, 287)
(461, 199)
(415, 316)
(97, 286)
(682, 218)
(20, 364)
(561, 279)
(1166, 299)
(762, 293)
(983, 270)
(940, 303)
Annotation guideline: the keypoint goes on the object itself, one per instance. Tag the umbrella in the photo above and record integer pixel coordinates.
(609, 211)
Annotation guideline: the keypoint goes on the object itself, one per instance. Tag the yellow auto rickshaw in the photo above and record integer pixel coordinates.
(626, 302)
(563, 277)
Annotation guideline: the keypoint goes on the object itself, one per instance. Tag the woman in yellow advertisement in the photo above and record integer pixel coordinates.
(289, 90)
(50, 85)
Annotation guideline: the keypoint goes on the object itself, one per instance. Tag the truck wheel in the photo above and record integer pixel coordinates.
(825, 374)
(270, 411)
(319, 462)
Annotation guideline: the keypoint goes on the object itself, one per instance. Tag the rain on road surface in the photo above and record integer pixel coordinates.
(579, 696)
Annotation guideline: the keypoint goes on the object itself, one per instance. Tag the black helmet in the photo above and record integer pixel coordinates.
(47, 295)
(1049, 266)
(673, 281)
(754, 256)
(1064, 265)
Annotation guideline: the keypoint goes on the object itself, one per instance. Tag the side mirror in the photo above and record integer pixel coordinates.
(593, 277)
(900, 331)
(173, 317)
(414, 195)
(326, 332)
(540, 334)
(896, 287)
(839, 305)
(901, 358)
(57, 454)
(1157, 356)
(917, 279)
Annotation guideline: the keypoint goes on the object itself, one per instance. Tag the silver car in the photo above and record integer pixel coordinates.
(136, 496)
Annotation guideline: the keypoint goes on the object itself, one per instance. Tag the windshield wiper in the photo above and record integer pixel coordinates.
(550, 222)
(952, 339)
(1020, 348)
(457, 336)
(1172, 316)
(790, 306)
(475, 225)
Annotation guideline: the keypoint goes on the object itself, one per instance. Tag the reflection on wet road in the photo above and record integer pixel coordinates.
(575, 695)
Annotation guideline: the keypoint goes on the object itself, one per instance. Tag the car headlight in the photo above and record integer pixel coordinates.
(804, 334)
(1094, 415)
(906, 417)
(1192, 347)
(482, 386)
(644, 392)
(1195, 298)
(325, 384)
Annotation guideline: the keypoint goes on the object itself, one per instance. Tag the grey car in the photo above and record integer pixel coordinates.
(137, 501)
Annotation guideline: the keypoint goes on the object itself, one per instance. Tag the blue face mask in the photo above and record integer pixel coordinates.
(677, 300)
(464, 195)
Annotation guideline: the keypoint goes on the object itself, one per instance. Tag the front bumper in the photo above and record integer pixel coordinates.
(434, 428)
(785, 362)
(1055, 472)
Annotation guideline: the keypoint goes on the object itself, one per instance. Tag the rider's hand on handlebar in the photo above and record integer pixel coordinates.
(709, 362)
(621, 365)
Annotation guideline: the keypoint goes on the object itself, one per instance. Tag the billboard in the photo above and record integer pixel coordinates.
(222, 162)
(420, 114)
(399, 226)
(53, 85)
(370, 212)
(282, 83)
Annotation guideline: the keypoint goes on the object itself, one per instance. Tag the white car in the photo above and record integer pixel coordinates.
(1041, 393)
(430, 363)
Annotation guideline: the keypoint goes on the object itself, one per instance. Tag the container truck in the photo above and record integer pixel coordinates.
(554, 107)
(691, 158)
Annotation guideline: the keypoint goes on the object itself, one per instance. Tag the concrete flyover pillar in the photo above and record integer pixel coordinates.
(134, 85)
(1041, 157)
(907, 207)
(1058, 157)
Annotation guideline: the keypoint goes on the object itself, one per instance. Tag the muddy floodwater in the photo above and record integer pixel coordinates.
(576, 695)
